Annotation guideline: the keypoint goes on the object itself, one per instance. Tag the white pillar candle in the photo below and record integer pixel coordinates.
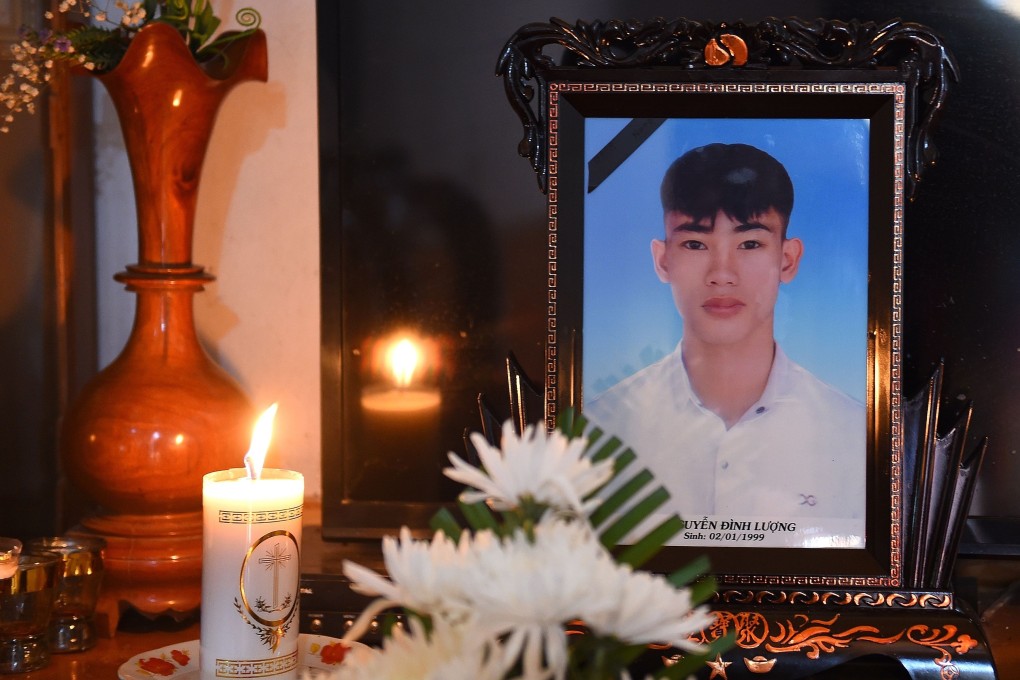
(251, 567)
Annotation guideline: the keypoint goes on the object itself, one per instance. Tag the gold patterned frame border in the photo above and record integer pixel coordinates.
(259, 516)
(256, 668)
(894, 578)
(912, 600)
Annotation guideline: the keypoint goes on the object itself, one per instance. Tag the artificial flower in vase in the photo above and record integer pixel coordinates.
(144, 431)
(536, 586)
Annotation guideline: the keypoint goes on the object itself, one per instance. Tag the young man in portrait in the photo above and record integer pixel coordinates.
(728, 424)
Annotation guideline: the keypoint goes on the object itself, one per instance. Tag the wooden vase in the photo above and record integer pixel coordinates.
(144, 431)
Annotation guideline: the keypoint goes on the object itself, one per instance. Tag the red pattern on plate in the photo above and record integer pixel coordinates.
(157, 666)
(334, 653)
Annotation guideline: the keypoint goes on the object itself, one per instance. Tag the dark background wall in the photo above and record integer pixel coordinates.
(420, 92)
(47, 289)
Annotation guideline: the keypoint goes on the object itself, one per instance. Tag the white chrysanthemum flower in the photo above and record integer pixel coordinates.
(501, 603)
(529, 590)
(638, 607)
(448, 653)
(423, 575)
(547, 467)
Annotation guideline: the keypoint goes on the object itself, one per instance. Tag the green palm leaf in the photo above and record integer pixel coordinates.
(631, 503)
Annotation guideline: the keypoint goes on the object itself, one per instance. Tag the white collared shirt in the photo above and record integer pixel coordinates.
(799, 451)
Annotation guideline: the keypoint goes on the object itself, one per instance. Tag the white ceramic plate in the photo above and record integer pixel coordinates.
(180, 661)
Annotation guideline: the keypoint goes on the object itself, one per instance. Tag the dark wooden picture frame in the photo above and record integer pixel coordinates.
(896, 76)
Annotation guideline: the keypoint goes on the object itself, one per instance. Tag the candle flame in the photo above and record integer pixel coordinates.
(403, 359)
(256, 456)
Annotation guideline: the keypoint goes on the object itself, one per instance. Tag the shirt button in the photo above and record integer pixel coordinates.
(760, 410)
(725, 464)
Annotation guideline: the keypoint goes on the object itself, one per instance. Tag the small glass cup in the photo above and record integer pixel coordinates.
(77, 591)
(26, 606)
(10, 548)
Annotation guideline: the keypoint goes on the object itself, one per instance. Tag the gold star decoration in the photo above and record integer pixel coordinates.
(718, 667)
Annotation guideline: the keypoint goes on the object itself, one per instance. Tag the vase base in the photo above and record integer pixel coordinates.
(152, 563)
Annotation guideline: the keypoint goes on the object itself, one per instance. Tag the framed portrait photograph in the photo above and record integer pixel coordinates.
(720, 306)
(725, 276)
(788, 311)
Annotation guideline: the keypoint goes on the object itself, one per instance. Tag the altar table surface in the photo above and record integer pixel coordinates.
(136, 634)
(102, 662)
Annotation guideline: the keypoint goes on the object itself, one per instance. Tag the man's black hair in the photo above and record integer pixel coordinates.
(738, 179)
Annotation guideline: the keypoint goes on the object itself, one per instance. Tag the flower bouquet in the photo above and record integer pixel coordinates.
(536, 585)
(99, 38)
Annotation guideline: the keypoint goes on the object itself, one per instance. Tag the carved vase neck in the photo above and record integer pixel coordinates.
(164, 327)
(167, 104)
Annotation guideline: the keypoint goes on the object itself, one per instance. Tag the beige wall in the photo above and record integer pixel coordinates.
(256, 230)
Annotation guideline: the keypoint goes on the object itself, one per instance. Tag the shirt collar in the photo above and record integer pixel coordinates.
(777, 385)
(680, 382)
(779, 379)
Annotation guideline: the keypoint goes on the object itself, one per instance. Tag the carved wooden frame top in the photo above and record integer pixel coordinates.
(927, 65)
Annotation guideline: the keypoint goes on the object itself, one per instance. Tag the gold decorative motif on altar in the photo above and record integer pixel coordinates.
(815, 636)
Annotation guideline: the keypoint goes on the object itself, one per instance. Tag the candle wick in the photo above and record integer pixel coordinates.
(249, 465)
